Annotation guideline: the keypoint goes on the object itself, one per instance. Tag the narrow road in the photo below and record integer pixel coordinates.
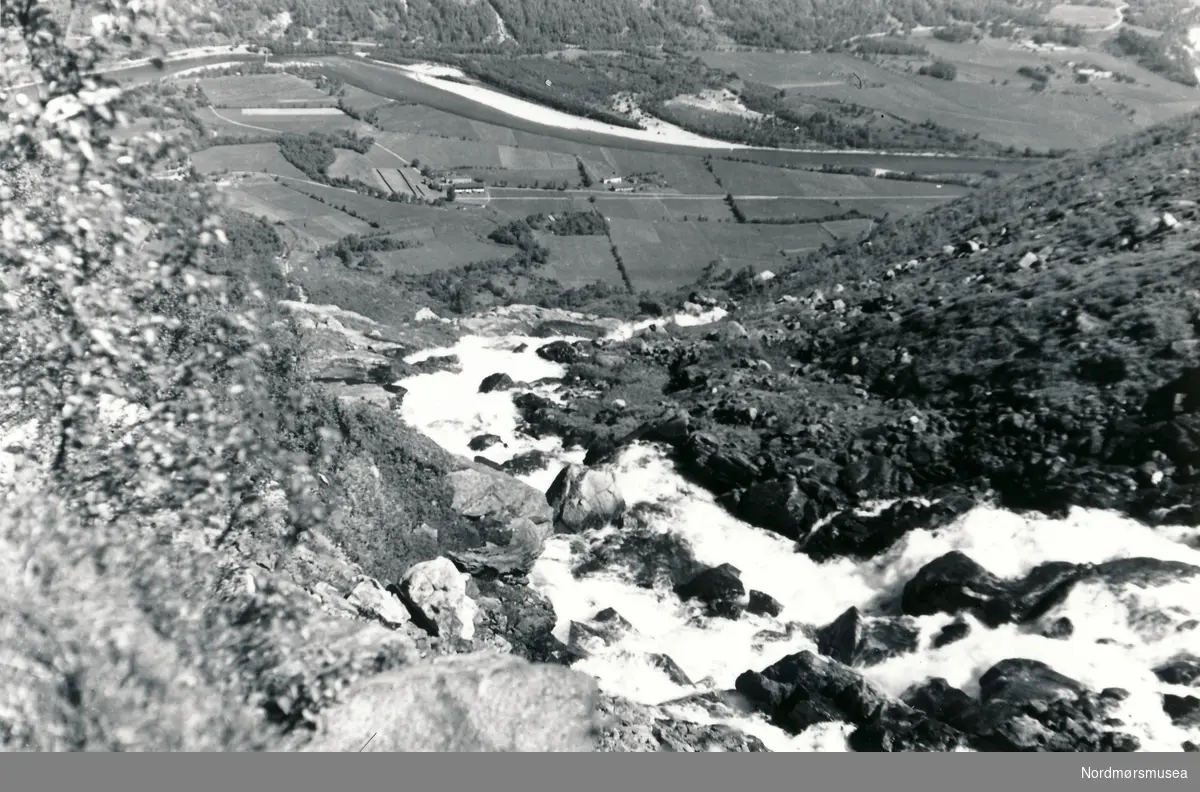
(550, 194)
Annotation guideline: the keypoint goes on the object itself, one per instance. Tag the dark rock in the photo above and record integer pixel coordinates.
(585, 498)
(857, 640)
(780, 506)
(671, 669)
(652, 308)
(1180, 395)
(802, 690)
(606, 627)
(1184, 711)
(1190, 747)
(1060, 628)
(519, 348)
(1027, 706)
(526, 463)
(650, 557)
(640, 728)
(563, 352)
(900, 729)
(564, 327)
(434, 364)
(954, 631)
(1182, 669)
(953, 583)
(1142, 572)
(719, 588)
(496, 382)
(1018, 680)
(938, 699)
(857, 536)
(870, 477)
(524, 618)
(484, 441)
(764, 604)
(482, 460)
(1045, 586)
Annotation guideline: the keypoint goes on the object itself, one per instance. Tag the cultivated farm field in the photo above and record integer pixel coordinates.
(987, 97)
(352, 165)
(245, 157)
(319, 223)
(261, 90)
(664, 255)
(580, 260)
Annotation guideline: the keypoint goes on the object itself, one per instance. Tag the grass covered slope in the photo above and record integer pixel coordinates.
(1037, 341)
(207, 528)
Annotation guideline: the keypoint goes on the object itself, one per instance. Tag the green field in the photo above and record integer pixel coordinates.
(299, 123)
(440, 152)
(685, 174)
(352, 165)
(261, 90)
(246, 158)
(798, 209)
(453, 249)
(317, 222)
(634, 207)
(744, 178)
(987, 97)
(416, 119)
(580, 260)
(665, 255)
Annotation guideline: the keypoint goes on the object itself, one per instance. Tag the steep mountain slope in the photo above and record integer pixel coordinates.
(1038, 342)
(544, 24)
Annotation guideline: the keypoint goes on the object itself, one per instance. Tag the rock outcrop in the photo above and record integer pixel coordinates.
(470, 703)
(436, 595)
(585, 498)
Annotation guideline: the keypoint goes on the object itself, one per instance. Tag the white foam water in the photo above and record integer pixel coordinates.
(1138, 626)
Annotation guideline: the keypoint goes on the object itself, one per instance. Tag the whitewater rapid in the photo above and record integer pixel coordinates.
(1138, 623)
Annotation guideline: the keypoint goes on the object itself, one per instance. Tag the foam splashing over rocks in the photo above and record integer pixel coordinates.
(1101, 634)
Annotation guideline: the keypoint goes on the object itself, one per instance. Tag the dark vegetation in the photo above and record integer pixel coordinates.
(889, 46)
(839, 125)
(314, 153)
(1038, 343)
(943, 70)
(1158, 54)
(955, 34)
(538, 26)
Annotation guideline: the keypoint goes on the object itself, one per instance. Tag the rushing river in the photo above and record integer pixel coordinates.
(1137, 623)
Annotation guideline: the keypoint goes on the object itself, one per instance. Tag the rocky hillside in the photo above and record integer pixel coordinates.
(1036, 345)
(540, 25)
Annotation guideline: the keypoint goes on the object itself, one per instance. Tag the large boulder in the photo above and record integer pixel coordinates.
(1183, 669)
(478, 703)
(862, 536)
(562, 352)
(953, 583)
(720, 588)
(604, 629)
(585, 498)
(520, 617)
(371, 599)
(514, 517)
(436, 595)
(1025, 705)
(639, 728)
(858, 640)
(496, 382)
(803, 690)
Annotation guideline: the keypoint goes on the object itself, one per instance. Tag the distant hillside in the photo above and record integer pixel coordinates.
(548, 24)
(1039, 341)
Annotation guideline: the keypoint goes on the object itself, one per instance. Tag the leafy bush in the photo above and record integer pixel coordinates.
(940, 69)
